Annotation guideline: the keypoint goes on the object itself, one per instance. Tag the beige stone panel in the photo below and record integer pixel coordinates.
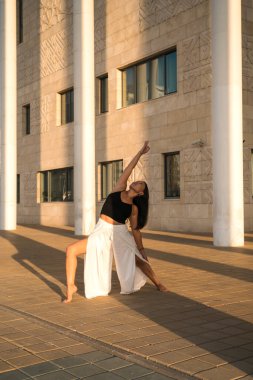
(204, 124)
(203, 96)
(156, 197)
(154, 223)
(198, 211)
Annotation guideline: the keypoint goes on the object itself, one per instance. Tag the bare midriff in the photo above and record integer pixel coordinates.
(108, 219)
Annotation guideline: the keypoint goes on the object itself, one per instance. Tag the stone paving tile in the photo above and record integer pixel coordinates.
(155, 376)
(17, 352)
(41, 347)
(85, 370)
(7, 346)
(58, 375)
(52, 355)
(132, 372)
(80, 348)
(96, 356)
(4, 366)
(192, 366)
(24, 361)
(70, 361)
(113, 363)
(224, 372)
(40, 369)
(65, 342)
(170, 357)
(104, 376)
(13, 375)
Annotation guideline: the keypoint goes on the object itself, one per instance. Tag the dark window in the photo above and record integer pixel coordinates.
(56, 185)
(110, 173)
(26, 114)
(151, 79)
(104, 94)
(18, 188)
(171, 72)
(172, 175)
(20, 21)
(67, 106)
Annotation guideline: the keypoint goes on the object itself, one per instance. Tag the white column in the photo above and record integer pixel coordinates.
(84, 115)
(8, 111)
(228, 206)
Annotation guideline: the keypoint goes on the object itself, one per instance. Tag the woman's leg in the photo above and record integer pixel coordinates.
(72, 251)
(148, 271)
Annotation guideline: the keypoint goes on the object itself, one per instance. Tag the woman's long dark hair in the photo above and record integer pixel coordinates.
(142, 203)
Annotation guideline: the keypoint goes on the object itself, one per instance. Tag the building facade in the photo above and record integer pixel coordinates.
(153, 81)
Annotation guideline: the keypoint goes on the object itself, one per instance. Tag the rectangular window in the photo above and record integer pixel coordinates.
(56, 185)
(26, 116)
(171, 72)
(143, 82)
(151, 79)
(103, 94)
(67, 106)
(110, 173)
(18, 188)
(129, 86)
(172, 175)
(20, 21)
(157, 77)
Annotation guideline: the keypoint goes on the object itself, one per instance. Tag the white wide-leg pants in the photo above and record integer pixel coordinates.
(105, 242)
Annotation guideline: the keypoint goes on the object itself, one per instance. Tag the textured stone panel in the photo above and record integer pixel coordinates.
(153, 12)
(100, 24)
(41, 112)
(191, 53)
(54, 52)
(53, 11)
(191, 155)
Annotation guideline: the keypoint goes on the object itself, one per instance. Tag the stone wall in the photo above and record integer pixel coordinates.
(137, 31)
(247, 80)
(45, 67)
(125, 33)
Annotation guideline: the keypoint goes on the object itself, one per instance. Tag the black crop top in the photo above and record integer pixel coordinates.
(115, 208)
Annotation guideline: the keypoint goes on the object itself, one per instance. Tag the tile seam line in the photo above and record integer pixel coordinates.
(120, 352)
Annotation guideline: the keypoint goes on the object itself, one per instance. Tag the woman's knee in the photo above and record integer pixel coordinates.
(71, 251)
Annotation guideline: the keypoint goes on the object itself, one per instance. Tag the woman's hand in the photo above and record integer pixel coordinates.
(145, 148)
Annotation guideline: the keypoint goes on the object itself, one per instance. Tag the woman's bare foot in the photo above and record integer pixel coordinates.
(71, 289)
(162, 288)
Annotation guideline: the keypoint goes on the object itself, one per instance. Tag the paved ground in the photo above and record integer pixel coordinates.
(202, 329)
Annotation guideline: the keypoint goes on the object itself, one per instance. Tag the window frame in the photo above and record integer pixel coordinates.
(68, 111)
(26, 118)
(149, 62)
(165, 175)
(105, 164)
(48, 173)
(18, 188)
(102, 103)
(20, 23)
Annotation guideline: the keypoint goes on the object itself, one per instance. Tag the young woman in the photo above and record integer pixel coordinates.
(111, 238)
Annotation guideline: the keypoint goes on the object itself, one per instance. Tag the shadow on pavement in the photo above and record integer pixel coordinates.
(229, 337)
(204, 240)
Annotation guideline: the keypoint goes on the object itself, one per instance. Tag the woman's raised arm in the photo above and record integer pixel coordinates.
(122, 182)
